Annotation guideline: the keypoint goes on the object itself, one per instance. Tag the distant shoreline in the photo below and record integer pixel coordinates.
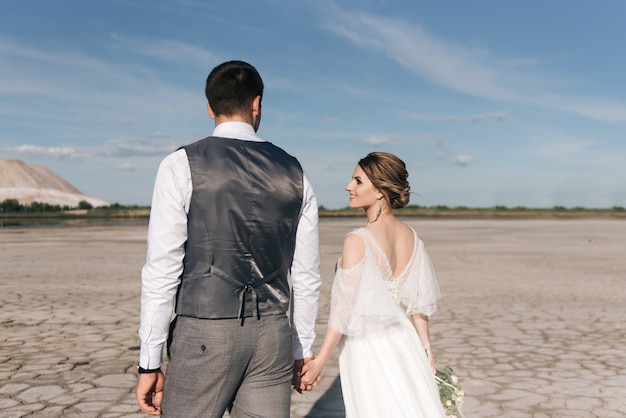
(489, 213)
(142, 214)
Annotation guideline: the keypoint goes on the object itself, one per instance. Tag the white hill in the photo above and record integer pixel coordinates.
(28, 183)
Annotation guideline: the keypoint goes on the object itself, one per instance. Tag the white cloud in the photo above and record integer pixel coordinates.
(71, 76)
(164, 50)
(471, 70)
(70, 93)
(381, 139)
(56, 152)
(601, 109)
(490, 117)
(404, 139)
(463, 160)
(467, 69)
(115, 148)
(578, 151)
(126, 167)
(497, 117)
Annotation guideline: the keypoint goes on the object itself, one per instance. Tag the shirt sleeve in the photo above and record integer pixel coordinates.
(305, 276)
(160, 276)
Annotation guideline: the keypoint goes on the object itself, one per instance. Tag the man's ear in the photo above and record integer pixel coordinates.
(210, 111)
(256, 106)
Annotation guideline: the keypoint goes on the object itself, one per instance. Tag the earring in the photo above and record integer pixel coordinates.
(378, 210)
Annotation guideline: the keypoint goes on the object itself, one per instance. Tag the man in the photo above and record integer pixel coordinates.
(232, 215)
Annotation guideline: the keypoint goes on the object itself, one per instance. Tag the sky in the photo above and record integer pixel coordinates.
(487, 102)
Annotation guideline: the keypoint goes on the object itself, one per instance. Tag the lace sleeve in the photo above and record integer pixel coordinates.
(420, 291)
(360, 304)
(343, 296)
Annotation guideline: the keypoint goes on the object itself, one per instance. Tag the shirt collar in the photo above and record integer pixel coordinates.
(236, 130)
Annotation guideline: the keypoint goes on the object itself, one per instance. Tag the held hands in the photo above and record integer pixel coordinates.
(298, 376)
(149, 392)
(311, 372)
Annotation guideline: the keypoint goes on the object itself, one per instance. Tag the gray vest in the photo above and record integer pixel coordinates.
(244, 211)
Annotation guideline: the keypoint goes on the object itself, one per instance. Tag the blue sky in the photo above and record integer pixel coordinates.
(488, 102)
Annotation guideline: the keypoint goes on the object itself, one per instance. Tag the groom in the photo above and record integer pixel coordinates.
(232, 217)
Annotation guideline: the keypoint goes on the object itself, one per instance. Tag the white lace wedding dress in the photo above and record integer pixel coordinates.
(383, 367)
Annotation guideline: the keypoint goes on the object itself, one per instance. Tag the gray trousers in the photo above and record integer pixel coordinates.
(219, 365)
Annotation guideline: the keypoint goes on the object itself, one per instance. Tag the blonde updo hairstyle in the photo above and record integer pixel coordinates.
(388, 174)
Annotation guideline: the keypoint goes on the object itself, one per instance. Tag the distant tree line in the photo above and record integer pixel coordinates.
(13, 206)
(556, 208)
(497, 208)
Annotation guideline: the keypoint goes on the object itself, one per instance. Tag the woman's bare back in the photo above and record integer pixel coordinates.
(396, 240)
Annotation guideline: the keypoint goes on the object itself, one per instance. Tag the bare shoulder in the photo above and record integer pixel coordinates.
(408, 232)
(353, 250)
(401, 232)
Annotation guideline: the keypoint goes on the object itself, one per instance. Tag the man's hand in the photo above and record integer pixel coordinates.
(296, 381)
(149, 392)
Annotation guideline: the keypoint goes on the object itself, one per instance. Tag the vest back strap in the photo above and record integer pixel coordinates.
(242, 289)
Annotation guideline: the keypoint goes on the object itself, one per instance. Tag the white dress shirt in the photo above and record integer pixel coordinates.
(167, 234)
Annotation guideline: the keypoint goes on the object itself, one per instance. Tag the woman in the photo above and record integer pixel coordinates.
(384, 291)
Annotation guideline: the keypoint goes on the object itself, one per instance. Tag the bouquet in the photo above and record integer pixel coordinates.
(450, 392)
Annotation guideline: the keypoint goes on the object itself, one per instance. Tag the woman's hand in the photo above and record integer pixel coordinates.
(311, 372)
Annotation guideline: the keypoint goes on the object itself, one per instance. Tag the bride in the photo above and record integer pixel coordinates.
(384, 291)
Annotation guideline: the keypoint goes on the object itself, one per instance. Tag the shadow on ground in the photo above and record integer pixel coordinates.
(330, 404)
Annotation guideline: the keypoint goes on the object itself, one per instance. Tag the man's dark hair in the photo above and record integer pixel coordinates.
(231, 87)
